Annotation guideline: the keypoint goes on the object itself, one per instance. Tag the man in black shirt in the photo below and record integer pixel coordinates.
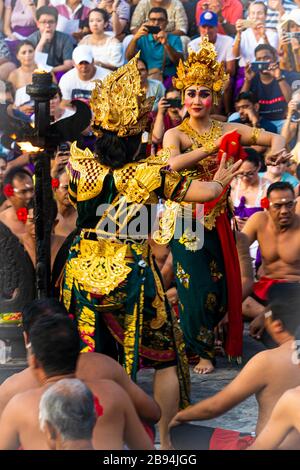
(270, 87)
(58, 46)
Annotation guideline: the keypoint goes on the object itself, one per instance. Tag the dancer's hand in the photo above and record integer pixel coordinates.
(274, 159)
(224, 175)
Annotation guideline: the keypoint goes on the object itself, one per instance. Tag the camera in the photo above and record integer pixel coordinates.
(153, 29)
(292, 34)
(259, 66)
(296, 114)
(63, 147)
(174, 102)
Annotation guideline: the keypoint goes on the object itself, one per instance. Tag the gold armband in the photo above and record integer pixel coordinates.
(254, 135)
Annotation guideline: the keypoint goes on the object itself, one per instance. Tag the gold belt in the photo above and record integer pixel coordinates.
(102, 264)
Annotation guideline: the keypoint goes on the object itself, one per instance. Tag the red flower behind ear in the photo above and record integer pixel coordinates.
(22, 214)
(55, 183)
(8, 190)
(265, 203)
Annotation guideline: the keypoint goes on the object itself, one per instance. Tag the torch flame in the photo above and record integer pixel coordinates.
(28, 147)
(40, 71)
(13, 136)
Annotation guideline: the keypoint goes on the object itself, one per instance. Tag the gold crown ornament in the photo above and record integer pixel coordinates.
(202, 69)
(119, 102)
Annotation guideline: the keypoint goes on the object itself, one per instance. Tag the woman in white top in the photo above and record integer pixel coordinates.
(107, 50)
(22, 76)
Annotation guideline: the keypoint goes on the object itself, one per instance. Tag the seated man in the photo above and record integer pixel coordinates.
(78, 83)
(89, 366)
(267, 375)
(277, 231)
(228, 11)
(54, 48)
(53, 352)
(67, 214)
(161, 51)
(285, 417)
(67, 415)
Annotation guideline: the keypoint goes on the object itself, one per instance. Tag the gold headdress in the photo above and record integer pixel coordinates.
(119, 102)
(201, 68)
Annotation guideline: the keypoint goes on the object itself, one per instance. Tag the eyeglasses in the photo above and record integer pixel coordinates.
(47, 22)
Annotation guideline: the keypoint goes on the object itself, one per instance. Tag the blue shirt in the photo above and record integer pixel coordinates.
(152, 52)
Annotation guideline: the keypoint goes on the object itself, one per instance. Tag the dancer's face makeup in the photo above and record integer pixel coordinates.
(198, 100)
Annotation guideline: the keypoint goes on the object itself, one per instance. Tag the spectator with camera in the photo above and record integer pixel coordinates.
(251, 32)
(290, 130)
(78, 83)
(270, 86)
(289, 46)
(53, 47)
(177, 22)
(169, 115)
(160, 50)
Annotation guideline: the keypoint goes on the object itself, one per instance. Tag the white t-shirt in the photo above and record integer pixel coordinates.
(249, 43)
(72, 87)
(223, 46)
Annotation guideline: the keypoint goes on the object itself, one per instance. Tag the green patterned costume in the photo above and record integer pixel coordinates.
(111, 285)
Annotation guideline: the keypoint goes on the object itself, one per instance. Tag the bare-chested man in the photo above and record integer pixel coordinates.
(67, 214)
(285, 417)
(28, 239)
(267, 375)
(18, 186)
(52, 355)
(277, 231)
(90, 366)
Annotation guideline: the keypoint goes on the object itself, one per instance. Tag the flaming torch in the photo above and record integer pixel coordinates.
(41, 90)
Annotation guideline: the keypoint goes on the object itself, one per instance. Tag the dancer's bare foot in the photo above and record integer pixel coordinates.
(204, 366)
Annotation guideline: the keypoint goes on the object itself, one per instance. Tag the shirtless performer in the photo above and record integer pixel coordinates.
(18, 188)
(67, 214)
(277, 231)
(267, 375)
(28, 238)
(52, 355)
(285, 417)
(89, 366)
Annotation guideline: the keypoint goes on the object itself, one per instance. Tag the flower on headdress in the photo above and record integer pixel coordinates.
(8, 190)
(179, 85)
(217, 86)
(55, 183)
(22, 214)
(265, 203)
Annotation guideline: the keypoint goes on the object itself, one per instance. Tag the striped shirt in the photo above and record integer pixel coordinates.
(273, 15)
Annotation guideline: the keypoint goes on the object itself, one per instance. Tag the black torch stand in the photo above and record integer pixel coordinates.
(42, 90)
